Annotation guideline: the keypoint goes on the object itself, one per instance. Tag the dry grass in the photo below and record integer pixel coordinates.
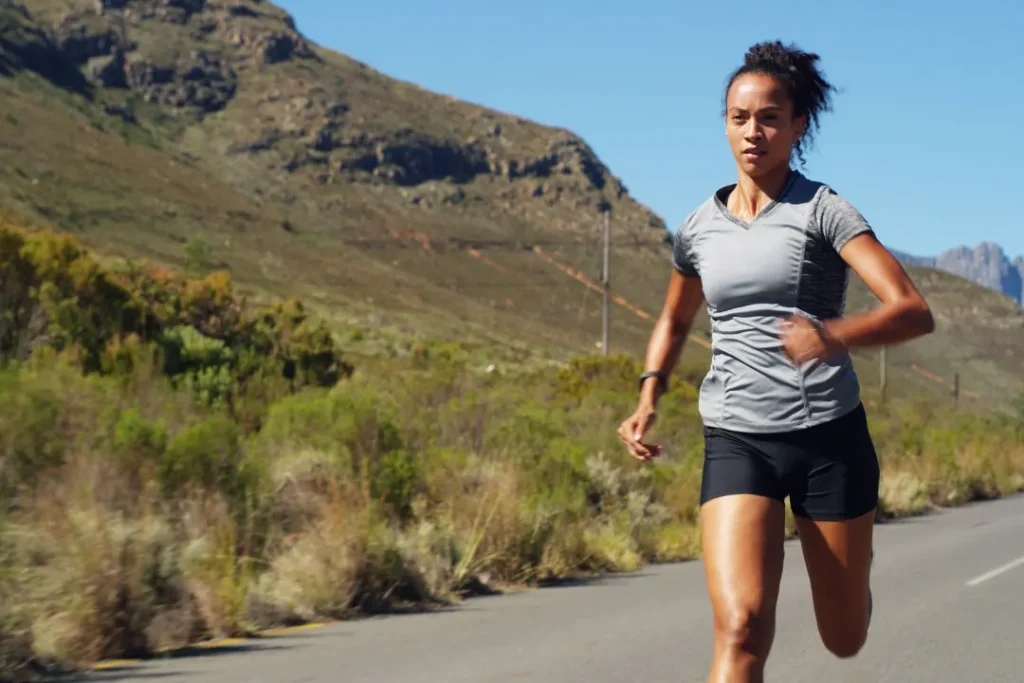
(902, 494)
(99, 574)
(217, 569)
(316, 574)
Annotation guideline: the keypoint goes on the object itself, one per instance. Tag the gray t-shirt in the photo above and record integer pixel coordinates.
(756, 274)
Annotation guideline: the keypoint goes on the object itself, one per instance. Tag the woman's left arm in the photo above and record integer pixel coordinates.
(902, 315)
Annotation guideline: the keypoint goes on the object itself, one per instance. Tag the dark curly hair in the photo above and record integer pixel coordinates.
(795, 69)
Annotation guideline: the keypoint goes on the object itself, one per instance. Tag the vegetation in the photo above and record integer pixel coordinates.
(176, 466)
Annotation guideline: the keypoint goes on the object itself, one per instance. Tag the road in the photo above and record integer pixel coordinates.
(949, 606)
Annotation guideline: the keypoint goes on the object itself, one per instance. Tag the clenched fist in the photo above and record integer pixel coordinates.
(804, 341)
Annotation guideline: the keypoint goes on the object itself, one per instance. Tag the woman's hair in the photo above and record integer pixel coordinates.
(796, 71)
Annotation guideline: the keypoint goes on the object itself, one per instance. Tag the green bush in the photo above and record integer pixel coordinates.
(30, 436)
(55, 293)
(617, 374)
(353, 425)
(207, 456)
(138, 439)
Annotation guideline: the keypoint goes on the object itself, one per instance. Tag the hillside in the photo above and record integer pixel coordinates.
(212, 134)
(979, 334)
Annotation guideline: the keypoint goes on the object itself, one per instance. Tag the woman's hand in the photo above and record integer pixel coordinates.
(632, 431)
(804, 341)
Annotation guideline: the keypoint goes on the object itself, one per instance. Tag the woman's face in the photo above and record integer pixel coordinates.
(760, 124)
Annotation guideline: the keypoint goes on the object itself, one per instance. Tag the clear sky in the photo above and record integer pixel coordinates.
(927, 136)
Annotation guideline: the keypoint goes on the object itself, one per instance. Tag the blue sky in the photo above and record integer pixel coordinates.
(927, 136)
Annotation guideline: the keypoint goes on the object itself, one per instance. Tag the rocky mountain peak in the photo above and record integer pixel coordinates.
(177, 53)
(986, 264)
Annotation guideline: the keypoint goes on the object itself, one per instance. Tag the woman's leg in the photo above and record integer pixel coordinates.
(834, 508)
(743, 539)
(838, 558)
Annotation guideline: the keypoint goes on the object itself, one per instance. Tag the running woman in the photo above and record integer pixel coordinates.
(769, 256)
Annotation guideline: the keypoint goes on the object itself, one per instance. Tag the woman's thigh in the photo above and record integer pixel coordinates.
(742, 538)
(838, 558)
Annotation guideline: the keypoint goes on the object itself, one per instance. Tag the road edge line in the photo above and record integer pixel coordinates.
(106, 665)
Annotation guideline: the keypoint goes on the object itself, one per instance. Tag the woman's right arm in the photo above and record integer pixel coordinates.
(683, 300)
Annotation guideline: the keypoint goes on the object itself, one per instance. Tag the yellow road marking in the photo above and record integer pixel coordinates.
(114, 663)
(289, 629)
(213, 644)
(224, 642)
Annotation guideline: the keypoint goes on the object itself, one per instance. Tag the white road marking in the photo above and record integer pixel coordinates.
(996, 572)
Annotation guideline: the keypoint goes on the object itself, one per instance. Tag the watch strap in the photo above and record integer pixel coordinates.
(662, 380)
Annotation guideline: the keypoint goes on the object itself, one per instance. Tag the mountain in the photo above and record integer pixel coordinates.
(213, 134)
(143, 125)
(986, 264)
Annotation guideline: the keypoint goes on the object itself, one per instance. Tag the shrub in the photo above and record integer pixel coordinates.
(617, 374)
(352, 425)
(30, 438)
(208, 457)
(55, 294)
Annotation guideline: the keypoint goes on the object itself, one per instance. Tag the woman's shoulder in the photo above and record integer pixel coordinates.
(823, 203)
(832, 215)
(827, 202)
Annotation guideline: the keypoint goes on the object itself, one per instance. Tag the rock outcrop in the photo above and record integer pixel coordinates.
(986, 264)
(24, 44)
(110, 40)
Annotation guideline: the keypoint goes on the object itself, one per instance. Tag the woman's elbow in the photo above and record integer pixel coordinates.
(929, 321)
(919, 316)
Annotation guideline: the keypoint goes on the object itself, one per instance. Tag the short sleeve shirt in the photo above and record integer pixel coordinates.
(754, 275)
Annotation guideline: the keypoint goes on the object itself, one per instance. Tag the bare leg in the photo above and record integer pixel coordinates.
(743, 539)
(838, 557)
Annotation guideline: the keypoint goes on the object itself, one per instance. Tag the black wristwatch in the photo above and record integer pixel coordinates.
(662, 380)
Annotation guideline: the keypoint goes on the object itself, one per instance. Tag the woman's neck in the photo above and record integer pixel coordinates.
(751, 195)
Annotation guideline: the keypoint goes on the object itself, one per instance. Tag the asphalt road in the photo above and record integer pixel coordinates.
(949, 606)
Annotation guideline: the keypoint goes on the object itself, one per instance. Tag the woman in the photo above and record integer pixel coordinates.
(781, 404)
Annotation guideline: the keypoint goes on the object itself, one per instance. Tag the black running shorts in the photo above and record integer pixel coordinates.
(829, 471)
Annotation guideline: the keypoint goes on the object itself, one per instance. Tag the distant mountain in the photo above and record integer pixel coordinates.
(987, 265)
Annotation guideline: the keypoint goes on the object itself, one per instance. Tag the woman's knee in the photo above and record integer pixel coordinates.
(838, 558)
(846, 641)
(745, 630)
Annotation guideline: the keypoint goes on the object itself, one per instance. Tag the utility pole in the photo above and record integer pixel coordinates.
(956, 389)
(606, 283)
(882, 371)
